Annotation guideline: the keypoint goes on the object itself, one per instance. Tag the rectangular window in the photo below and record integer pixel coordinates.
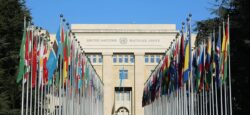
(126, 58)
(120, 59)
(123, 74)
(122, 96)
(117, 95)
(152, 58)
(94, 58)
(132, 59)
(158, 58)
(100, 58)
(128, 95)
(90, 58)
(114, 59)
(146, 58)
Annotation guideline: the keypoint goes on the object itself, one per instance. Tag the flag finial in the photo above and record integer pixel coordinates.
(190, 15)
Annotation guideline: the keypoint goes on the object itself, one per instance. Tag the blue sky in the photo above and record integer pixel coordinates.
(46, 13)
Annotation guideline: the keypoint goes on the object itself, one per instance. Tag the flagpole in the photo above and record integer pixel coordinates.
(35, 103)
(31, 71)
(24, 29)
(213, 72)
(60, 66)
(229, 77)
(27, 81)
(216, 100)
(225, 94)
(212, 95)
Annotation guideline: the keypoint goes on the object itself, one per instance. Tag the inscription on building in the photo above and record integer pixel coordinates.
(122, 40)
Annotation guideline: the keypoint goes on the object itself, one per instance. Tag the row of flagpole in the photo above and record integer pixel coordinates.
(192, 81)
(57, 77)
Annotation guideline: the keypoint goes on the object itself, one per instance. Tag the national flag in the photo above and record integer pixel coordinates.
(40, 61)
(165, 76)
(34, 62)
(53, 56)
(202, 67)
(65, 57)
(224, 52)
(186, 63)
(22, 56)
(208, 62)
(181, 61)
(217, 57)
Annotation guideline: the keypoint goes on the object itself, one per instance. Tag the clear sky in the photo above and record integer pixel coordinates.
(46, 13)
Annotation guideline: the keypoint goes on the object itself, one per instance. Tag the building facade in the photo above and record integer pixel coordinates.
(124, 55)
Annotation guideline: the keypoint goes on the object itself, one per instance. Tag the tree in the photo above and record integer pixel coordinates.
(240, 46)
(12, 14)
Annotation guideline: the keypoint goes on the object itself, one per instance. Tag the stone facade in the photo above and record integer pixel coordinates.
(136, 40)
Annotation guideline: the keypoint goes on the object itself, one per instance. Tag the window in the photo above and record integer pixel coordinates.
(100, 58)
(132, 59)
(94, 58)
(90, 58)
(114, 59)
(128, 95)
(126, 58)
(152, 58)
(117, 95)
(120, 59)
(123, 74)
(122, 96)
(157, 58)
(146, 58)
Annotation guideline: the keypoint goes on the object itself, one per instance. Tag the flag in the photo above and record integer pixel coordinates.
(208, 62)
(217, 57)
(51, 63)
(165, 76)
(22, 57)
(195, 70)
(186, 63)
(34, 62)
(40, 61)
(181, 61)
(65, 58)
(202, 67)
(224, 52)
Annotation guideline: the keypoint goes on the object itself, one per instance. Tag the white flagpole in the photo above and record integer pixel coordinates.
(41, 108)
(225, 94)
(210, 101)
(205, 102)
(27, 88)
(53, 96)
(24, 29)
(212, 82)
(213, 95)
(201, 103)
(38, 68)
(221, 100)
(229, 67)
(216, 100)
(31, 73)
(198, 103)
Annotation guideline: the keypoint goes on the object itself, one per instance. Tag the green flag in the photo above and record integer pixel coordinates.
(22, 60)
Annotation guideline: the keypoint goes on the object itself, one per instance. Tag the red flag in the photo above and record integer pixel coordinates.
(181, 61)
(62, 36)
(34, 63)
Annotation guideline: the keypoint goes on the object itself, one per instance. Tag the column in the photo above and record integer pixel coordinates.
(108, 83)
(139, 83)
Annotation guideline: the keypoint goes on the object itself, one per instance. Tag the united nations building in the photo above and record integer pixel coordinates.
(124, 55)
